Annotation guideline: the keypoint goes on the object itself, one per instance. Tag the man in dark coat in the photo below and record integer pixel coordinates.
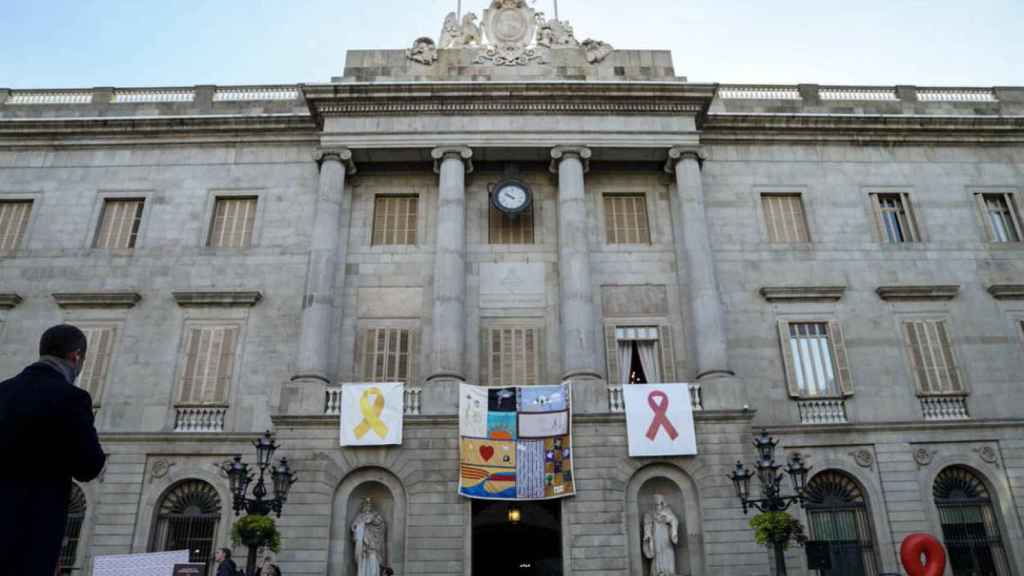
(47, 438)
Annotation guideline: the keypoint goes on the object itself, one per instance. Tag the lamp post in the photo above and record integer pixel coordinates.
(240, 477)
(768, 476)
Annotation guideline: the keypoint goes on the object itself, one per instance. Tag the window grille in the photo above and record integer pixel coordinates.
(68, 563)
(505, 229)
(970, 529)
(837, 514)
(13, 222)
(119, 224)
(389, 355)
(233, 222)
(187, 519)
(784, 218)
(626, 219)
(512, 356)
(394, 220)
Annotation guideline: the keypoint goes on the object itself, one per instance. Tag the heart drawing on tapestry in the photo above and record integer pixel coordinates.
(486, 452)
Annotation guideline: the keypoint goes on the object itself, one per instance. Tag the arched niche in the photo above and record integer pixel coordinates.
(680, 494)
(388, 497)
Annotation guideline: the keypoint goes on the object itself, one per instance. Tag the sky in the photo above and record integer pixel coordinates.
(128, 43)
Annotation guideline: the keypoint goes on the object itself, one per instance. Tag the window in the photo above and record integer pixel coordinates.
(970, 530)
(838, 515)
(68, 563)
(931, 357)
(394, 220)
(814, 355)
(13, 222)
(511, 356)
(100, 347)
(209, 362)
(119, 224)
(784, 218)
(639, 354)
(895, 218)
(187, 518)
(505, 229)
(1000, 214)
(625, 217)
(233, 221)
(389, 355)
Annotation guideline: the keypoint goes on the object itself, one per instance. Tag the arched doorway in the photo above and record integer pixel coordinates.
(187, 518)
(837, 513)
(72, 531)
(970, 529)
(517, 538)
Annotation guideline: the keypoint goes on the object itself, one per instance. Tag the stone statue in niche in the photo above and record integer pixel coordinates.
(660, 538)
(369, 534)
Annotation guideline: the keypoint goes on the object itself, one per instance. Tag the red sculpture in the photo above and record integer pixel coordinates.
(916, 545)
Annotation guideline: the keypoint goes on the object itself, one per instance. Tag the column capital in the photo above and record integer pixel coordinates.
(464, 153)
(339, 153)
(558, 153)
(677, 154)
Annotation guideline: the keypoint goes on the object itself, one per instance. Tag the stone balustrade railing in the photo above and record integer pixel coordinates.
(200, 418)
(411, 407)
(937, 408)
(856, 93)
(822, 411)
(254, 93)
(153, 95)
(617, 404)
(956, 95)
(853, 93)
(737, 92)
(48, 97)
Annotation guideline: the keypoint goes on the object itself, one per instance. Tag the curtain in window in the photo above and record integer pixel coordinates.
(648, 352)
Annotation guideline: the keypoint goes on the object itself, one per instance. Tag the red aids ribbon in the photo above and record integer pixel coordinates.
(916, 545)
(660, 418)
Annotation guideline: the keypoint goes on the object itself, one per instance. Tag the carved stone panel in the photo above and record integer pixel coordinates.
(512, 285)
(646, 300)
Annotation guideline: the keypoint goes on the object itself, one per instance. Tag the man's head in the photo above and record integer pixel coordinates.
(222, 554)
(66, 342)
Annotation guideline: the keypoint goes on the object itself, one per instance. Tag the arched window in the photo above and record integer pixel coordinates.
(187, 519)
(838, 515)
(969, 526)
(72, 530)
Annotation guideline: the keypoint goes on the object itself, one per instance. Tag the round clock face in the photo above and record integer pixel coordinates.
(511, 197)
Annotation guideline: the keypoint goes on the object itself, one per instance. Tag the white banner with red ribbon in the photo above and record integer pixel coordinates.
(659, 420)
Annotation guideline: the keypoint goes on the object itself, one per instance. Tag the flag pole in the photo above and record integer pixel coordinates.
(556, 9)
(460, 10)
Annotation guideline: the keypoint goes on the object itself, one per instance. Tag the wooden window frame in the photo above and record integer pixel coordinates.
(1009, 198)
(487, 329)
(25, 225)
(415, 230)
(363, 351)
(914, 357)
(907, 218)
(611, 233)
(839, 357)
(180, 398)
(135, 236)
(216, 196)
(666, 347)
(769, 223)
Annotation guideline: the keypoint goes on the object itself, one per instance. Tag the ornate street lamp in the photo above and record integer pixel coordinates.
(240, 477)
(767, 472)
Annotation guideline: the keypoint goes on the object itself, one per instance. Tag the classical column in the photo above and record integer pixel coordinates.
(448, 339)
(326, 256)
(694, 248)
(576, 294)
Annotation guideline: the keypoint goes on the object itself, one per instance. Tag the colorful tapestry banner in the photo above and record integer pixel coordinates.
(371, 414)
(659, 420)
(515, 442)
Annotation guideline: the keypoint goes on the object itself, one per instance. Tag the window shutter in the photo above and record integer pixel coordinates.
(1011, 207)
(952, 369)
(876, 206)
(13, 221)
(835, 333)
(611, 354)
(225, 364)
(912, 343)
(913, 230)
(667, 354)
(485, 356)
(191, 357)
(788, 362)
(97, 360)
(986, 223)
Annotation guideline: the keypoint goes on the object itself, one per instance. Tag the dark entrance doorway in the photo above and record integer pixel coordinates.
(531, 546)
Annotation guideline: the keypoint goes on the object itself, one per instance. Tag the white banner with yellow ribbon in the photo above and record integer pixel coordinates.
(371, 414)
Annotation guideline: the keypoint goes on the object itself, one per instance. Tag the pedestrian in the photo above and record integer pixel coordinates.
(47, 437)
(227, 565)
(268, 568)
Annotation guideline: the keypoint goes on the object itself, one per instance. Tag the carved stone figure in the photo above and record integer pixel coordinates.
(369, 534)
(555, 33)
(470, 31)
(596, 50)
(660, 537)
(423, 51)
(451, 33)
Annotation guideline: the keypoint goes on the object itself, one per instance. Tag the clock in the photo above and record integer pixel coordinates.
(511, 196)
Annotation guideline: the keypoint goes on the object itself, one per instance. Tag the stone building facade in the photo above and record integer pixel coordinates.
(841, 266)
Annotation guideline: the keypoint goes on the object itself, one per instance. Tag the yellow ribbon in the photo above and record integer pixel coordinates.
(371, 414)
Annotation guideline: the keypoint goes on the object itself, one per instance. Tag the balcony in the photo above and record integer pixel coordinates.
(332, 401)
(822, 411)
(944, 408)
(199, 419)
(617, 404)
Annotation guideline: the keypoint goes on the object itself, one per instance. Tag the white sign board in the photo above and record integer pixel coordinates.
(659, 420)
(154, 564)
(371, 414)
